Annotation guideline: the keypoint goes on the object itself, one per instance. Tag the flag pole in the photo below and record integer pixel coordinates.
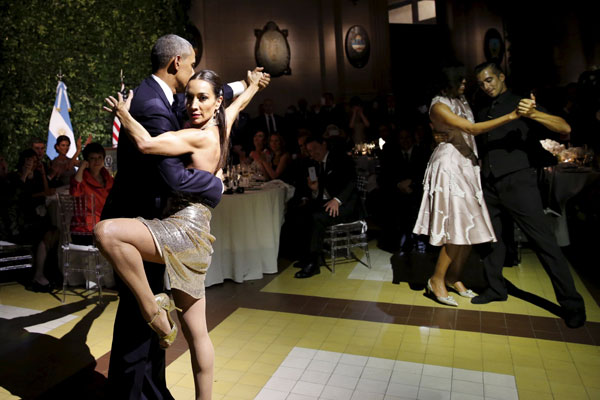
(60, 75)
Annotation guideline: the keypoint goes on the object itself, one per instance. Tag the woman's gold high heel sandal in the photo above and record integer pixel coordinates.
(165, 303)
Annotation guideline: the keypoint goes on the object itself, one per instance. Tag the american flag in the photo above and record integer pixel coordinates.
(115, 132)
(116, 128)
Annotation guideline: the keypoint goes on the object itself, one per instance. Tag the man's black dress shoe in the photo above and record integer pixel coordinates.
(39, 288)
(309, 270)
(301, 264)
(487, 297)
(575, 319)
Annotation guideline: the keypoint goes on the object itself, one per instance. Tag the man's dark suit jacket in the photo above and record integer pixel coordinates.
(142, 185)
(511, 147)
(339, 180)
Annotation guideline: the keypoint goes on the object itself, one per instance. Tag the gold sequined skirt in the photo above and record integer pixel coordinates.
(185, 244)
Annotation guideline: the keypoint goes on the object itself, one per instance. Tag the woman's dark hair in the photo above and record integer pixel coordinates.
(265, 142)
(217, 86)
(95, 148)
(60, 139)
(449, 80)
(24, 155)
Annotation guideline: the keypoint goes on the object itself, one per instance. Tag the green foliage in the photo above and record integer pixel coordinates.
(90, 41)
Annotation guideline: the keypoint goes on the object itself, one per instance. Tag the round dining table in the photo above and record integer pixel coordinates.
(246, 227)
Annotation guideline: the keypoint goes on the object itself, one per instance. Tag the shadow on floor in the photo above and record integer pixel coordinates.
(34, 363)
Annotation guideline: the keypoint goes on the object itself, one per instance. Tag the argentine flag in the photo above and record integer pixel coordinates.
(60, 122)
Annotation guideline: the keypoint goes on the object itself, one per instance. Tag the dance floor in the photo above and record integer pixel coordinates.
(352, 335)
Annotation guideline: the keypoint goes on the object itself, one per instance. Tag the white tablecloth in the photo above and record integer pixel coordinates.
(246, 227)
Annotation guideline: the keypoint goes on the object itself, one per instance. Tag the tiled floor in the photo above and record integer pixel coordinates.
(352, 335)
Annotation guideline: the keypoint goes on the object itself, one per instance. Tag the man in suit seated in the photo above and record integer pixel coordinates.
(334, 200)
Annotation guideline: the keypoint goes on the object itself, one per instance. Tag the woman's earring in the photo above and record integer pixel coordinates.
(216, 114)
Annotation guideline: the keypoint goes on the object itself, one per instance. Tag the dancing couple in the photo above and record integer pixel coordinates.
(177, 232)
(454, 209)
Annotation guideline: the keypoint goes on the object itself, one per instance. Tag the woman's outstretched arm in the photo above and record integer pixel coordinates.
(254, 85)
(166, 144)
(442, 113)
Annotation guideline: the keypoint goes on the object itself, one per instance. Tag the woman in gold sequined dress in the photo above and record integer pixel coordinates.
(182, 240)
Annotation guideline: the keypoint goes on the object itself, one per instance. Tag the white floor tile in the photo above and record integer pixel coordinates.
(463, 396)
(331, 356)
(371, 386)
(366, 395)
(434, 370)
(376, 374)
(280, 384)
(348, 370)
(432, 394)
(352, 359)
(308, 375)
(343, 381)
(296, 362)
(376, 362)
(308, 388)
(407, 366)
(405, 378)
(400, 390)
(302, 352)
(321, 366)
(473, 388)
(288, 373)
(270, 394)
(336, 393)
(436, 382)
(296, 396)
(315, 377)
(499, 379)
(467, 375)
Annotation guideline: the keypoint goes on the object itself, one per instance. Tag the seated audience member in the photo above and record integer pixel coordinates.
(259, 152)
(296, 208)
(402, 168)
(39, 146)
(27, 217)
(63, 167)
(277, 164)
(337, 139)
(91, 179)
(334, 199)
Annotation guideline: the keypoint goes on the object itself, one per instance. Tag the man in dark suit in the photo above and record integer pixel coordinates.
(510, 186)
(141, 187)
(269, 122)
(334, 200)
(403, 165)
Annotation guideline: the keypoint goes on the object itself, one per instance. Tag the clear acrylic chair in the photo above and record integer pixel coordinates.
(342, 238)
(78, 212)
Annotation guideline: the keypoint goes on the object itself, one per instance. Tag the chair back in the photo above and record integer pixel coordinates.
(76, 216)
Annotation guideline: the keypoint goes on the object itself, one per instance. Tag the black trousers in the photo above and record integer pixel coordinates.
(518, 195)
(137, 363)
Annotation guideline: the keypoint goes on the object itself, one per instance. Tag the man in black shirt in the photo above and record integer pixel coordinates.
(510, 186)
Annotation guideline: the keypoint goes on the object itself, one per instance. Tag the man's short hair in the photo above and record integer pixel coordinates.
(167, 47)
(314, 138)
(488, 64)
(37, 140)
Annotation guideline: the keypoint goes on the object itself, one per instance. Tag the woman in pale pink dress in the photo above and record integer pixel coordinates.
(452, 211)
